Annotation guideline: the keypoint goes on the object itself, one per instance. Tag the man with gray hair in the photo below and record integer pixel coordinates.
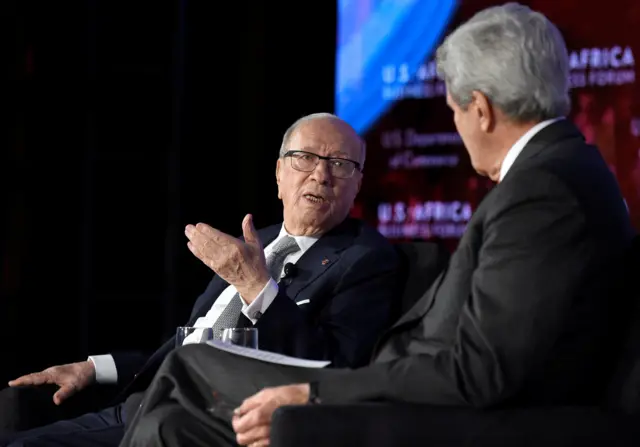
(524, 314)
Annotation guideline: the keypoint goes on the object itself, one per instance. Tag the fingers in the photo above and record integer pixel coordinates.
(198, 254)
(33, 379)
(262, 443)
(63, 394)
(253, 418)
(207, 240)
(257, 436)
(199, 239)
(249, 231)
(201, 245)
(250, 403)
(215, 236)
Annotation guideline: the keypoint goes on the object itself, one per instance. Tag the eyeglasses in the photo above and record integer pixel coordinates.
(307, 162)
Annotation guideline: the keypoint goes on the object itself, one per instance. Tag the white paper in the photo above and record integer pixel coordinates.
(267, 356)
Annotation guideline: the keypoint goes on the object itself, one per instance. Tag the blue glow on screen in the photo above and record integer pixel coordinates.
(376, 33)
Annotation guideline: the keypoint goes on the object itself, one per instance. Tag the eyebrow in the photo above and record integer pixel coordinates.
(334, 155)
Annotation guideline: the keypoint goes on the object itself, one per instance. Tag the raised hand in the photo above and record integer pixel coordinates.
(241, 264)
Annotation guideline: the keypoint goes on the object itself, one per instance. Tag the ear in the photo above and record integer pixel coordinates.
(484, 111)
(278, 168)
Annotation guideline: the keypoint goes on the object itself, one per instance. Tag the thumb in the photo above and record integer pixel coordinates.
(249, 231)
(62, 394)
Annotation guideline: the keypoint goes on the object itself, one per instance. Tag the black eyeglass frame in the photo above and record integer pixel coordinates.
(321, 157)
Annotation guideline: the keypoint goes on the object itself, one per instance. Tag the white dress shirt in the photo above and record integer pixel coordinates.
(106, 372)
(520, 144)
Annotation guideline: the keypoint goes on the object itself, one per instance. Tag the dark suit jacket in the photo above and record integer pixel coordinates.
(524, 313)
(349, 277)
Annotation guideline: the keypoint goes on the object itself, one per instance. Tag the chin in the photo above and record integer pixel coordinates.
(481, 172)
(320, 223)
(317, 220)
(479, 169)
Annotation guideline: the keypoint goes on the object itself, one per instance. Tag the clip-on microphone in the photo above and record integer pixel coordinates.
(290, 270)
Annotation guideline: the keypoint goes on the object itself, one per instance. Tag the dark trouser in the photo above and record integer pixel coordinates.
(103, 428)
(23, 408)
(191, 398)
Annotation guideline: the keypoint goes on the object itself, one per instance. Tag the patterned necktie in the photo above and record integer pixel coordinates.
(275, 261)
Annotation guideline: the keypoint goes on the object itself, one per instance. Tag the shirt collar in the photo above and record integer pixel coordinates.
(520, 144)
(304, 242)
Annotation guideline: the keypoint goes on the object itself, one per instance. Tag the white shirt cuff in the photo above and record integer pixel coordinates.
(262, 302)
(106, 371)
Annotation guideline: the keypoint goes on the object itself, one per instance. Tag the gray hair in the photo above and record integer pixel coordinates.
(515, 56)
(287, 135)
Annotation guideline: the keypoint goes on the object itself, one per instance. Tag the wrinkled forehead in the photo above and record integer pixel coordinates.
(326, 137)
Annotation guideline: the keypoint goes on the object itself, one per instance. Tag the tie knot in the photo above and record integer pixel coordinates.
(285, 247)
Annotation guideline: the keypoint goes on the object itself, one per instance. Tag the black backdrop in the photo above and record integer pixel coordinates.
(128, 120)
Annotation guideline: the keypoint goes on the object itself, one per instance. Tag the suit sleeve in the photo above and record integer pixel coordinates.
(346, 331)
(533, 257)
(128, 363)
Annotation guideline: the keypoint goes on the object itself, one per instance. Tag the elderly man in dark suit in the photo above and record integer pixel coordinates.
(524, 313)
(332, 303)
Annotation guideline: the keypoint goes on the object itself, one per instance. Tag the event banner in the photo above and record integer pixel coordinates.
(419, 183)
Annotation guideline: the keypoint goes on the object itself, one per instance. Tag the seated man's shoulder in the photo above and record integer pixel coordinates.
(570, 174)
(533, 185)
(370, 240)
(534, 180)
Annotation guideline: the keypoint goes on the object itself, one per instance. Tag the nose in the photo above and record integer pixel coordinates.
(321, 173)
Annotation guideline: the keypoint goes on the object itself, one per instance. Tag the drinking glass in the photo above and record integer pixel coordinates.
(241, 336)
(186, 335)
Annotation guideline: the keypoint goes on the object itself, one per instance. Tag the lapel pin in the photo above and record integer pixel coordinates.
(325, 261)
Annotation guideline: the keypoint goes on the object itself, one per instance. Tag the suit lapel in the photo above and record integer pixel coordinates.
(412, 316)
(423, 305)
(322, 255)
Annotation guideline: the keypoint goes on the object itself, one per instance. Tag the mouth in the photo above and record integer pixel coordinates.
(314, 198)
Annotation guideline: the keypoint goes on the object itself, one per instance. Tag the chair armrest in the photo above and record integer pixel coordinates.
(399, 424)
